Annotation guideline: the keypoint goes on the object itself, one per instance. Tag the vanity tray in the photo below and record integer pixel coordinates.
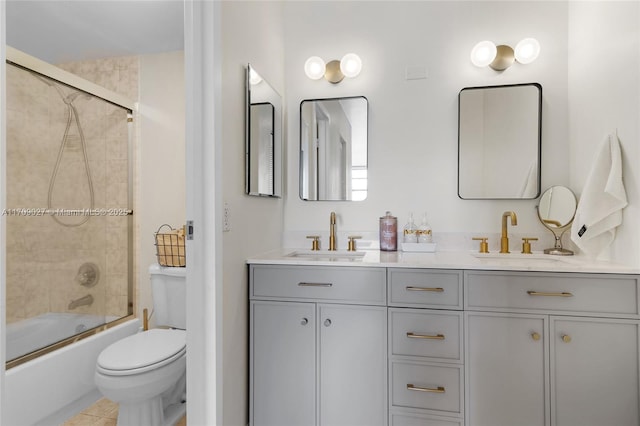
(419, 247)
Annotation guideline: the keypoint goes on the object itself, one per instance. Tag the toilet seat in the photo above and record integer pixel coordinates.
(142, 352)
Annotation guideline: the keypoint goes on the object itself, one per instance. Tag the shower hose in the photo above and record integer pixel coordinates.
(71, 118)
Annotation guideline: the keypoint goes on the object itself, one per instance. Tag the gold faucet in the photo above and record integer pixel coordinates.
(504, 241)
(332, 231)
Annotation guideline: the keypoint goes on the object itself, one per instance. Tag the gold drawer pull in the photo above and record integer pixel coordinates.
(439, 389)
(434, 289)
(315, 284)
(543, 293)
(535, 336)
(566, 338)
(411, 335)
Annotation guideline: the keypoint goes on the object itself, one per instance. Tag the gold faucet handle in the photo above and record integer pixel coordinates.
(526, 245)
(484, 245)
(315, 244)
(352, 242)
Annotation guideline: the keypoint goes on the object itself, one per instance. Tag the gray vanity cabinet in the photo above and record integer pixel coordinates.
(506, 369)
(283, 338)
(555, 349)
(594, 371)
(318, 346)
(425, 347)
(368, 346)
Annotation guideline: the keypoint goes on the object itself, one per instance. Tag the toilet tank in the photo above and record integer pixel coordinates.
(169, 291)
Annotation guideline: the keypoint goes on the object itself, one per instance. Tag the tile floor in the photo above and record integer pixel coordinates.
(102, 413)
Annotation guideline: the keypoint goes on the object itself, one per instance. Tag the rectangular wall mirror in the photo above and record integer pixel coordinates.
(499, 141)
(263, 133)
(333, 149)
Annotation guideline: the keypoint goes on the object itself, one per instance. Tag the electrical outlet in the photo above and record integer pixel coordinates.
(226, 220)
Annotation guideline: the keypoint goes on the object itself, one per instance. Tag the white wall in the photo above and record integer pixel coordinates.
(604, 94)
(252, 33)
(413, 124)
(160, 158)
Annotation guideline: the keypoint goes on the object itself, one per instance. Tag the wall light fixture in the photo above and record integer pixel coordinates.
(501, 57)
(334, 71)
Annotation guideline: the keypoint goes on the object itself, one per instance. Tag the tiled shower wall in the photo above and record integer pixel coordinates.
(43, 256)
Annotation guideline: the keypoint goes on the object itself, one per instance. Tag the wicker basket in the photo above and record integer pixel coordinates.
(170, 248)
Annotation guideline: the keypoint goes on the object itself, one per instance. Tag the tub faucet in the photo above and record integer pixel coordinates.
(332, 231)
(86, 300)
(504, 241)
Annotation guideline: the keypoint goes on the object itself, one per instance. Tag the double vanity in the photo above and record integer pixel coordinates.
(442, 339)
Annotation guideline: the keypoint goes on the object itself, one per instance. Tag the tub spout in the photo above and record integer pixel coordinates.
(86, 300)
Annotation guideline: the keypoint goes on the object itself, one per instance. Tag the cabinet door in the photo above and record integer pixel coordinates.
(594, 372)
(353, 366)
(506, 370)
(283, 371)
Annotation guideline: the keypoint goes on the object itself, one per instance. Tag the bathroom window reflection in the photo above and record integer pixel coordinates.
(333, 149)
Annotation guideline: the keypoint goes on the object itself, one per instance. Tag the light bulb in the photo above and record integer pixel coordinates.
(483, 53)
(314, 67)
(527, 50)
(350, 65)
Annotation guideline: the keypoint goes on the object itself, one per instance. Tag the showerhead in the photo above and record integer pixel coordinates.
(72, 97)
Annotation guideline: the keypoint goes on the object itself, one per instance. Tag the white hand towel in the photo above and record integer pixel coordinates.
(603, 197)
(529, 187)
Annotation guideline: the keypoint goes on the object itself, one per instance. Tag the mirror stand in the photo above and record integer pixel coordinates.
(557, 249)
(556, 212)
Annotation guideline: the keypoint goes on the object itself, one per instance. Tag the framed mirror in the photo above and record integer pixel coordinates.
(556, 211)
(333, 149)
(263, 134)
(499, 141)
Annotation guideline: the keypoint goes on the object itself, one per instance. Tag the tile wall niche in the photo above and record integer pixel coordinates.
(43, 256)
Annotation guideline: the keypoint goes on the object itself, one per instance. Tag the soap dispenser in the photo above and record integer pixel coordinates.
(424, 231)
(388, 232)
(410, 231)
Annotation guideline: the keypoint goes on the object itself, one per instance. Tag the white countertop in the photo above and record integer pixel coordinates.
(442, 260)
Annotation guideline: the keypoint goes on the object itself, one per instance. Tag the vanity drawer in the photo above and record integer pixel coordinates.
(426, 386)
(425, 288)
(593, 294)
(411, 419)
(346, 285)
(432, 334)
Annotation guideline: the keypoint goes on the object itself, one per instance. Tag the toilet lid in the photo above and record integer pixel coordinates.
(142, 352)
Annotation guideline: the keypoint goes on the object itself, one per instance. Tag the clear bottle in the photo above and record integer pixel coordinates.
(424, 231)
(410, 231)
(388, 232)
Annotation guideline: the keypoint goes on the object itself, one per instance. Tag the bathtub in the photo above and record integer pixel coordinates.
(31, 334)
(53, 387)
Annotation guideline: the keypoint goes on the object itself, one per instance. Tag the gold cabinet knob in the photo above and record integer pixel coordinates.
(484, 245)
(566, 338)
(315, 244)
(526, 245)
(535, 336)
(352, 242)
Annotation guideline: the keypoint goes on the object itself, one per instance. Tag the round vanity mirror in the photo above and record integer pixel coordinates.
(556, 212)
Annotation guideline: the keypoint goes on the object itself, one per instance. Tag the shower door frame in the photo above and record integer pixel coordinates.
(32, 64)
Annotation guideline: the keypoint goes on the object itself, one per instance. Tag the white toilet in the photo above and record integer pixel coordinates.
(146, 373)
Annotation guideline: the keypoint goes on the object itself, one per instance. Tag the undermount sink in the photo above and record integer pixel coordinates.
(324, 255)
(518, 258)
